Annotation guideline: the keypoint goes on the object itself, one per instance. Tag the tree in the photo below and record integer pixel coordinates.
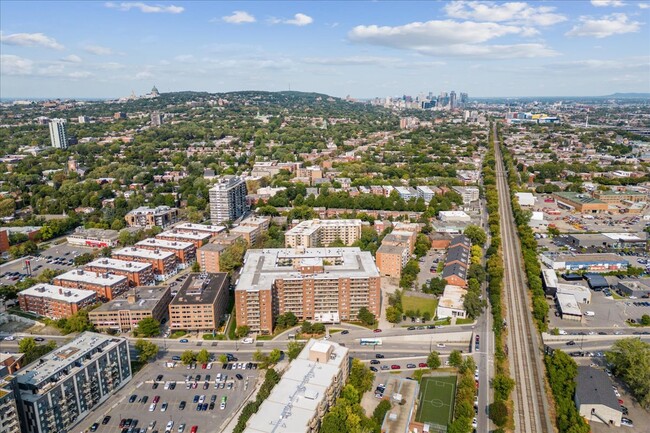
(380, 411)
(147, 351)
(630, 359)
(83, 259)
(7, 207)
(502, 385)
(365, 316)
(34, 351)
(433, 360)
(275, 356)
(360, 376)
(196, 267)
(286, 320)
(148, 327)
(318, 328)
(233, 257)
(645, 319)
(426, 316)
(188, 357)
(223, 358)
(455, 358)
(203, 356)
(242, 331)
(306, 327)
(393, 314)
(26, 345)
(475, 234)
(293, 349)
(499, 413)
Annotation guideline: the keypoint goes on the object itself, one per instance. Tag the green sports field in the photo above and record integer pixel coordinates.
(437, 400)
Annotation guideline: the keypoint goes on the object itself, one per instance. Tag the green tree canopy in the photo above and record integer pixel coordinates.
(148, 327)
(147, 351)
(630, 359)
(433, 360)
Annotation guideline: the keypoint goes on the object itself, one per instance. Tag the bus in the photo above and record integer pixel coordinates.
(370, 341)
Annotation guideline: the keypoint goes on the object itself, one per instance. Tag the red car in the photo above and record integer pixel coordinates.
(122, 422)
(477, 384)
(194, 429)
(156, 399)
(395, 367)
(377, 330)
(423, 365)
(621, 402)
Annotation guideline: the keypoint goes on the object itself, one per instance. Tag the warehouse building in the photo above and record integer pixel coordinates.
(639, 287)
(568, 307)
(95, 238)
(579, 202)
(594, 397)
(584, 262)
(607, 241)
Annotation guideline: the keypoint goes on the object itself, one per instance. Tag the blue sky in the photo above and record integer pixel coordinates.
(362, 49)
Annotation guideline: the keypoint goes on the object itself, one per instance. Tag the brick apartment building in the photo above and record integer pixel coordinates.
(391, 259)
(197, 238)
(146, 217)
(184, 251)
(164, 263)
(106, 286)
(457, 261)
(208, 257)
(212, 230)
(201, 302)
(321, 233)
(137, 273)
(55, 302)
(140, 303)
(316, 284)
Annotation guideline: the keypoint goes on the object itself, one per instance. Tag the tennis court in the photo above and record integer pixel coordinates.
(437, 396)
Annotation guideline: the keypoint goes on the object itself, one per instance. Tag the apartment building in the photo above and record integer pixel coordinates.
(321, 233)
(164, 263)
(55, 302)
(457, 261)
(249, 234)
(426, 193)
(469, 194)
(96, 238)
(184, 251)
(125, 314)
(9, 420)
(197, 238)
(228, 199)
(209, 256)
(392, 258)
(106, 286)
(308, 388)
(60, 389)
(201, 303)
(212, 230)
(137, 274)
(316, 284)
(401, 237)
(146, 217)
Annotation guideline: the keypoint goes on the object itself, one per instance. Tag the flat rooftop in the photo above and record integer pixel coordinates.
(591, 258)
(119, 265)
(95, 233)
(201, 288)
(144, 210)
(146, 299)
(397, 419)
(213, 247)
(452, 297)
(263, 267)
(57, 293)
(143, 253)
(162, 243)
(311, 226)
(578, 197)
(199, 228)
(568, 304)
(96, 278)
(194, 236)
(62, 360)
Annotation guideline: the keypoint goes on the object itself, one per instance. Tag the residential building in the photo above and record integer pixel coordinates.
(125, 314)
(391, 259)
(248, 233)
(579, 202)
(212, 230)
(406, 192)
(105, 285)
(209, 257)
(60, 389)
(55, 302)
(451, 303)
(457, 261)
(595, 397)
(4, 241)
(454, 216)
(308, 388)
(321, 233)
(58, 136)
(184, 251)
(584, 262)
(9, 420)
(469, 194)
(259, 221)
(197, 238)
(228, 199)
(95, 238)
(425, 193)
(401, 237)
(316, 284)
(164, 263)
(201, 303)
(146, 217)
(137, 273)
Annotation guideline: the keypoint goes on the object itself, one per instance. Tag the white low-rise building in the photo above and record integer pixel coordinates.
(454, 216)
(451, 303)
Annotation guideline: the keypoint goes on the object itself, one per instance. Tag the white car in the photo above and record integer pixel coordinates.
(562, 332)
(181, 427)
(170, 425)
(10, 338)
(152, 407)
(201, 399)
(616, 393)
(475, 423)
(441, 345)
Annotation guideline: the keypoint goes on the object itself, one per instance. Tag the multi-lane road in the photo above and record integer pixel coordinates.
(531, 413)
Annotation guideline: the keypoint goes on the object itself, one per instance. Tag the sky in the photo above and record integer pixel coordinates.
(365, 49)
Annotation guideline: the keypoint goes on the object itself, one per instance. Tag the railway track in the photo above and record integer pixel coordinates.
(531, 413)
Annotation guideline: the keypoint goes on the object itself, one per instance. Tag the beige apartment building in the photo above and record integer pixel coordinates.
(140, 303)
(391, 259)
(201, 303)
(209, 256)
(316, 284)
(321, 233)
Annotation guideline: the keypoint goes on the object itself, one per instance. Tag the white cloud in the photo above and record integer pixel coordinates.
(98, 50)
(644, 5)
(352, 61)
(511, 12)
(79, 74)
(450, 38)
(15, 65)
(145, 8)
(143, 75)
(72, 58)
(109, 66)
(184, 58)
(31, 40)
(239, 17)
(607, 3)
(298, 19)
(614, 24)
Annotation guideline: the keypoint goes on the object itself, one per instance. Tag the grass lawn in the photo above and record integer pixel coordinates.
(464, 321)
(177, 334)
(437, 396)
(422, 304)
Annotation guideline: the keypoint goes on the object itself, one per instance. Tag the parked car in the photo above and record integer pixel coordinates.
(395, 367)
(375, 361)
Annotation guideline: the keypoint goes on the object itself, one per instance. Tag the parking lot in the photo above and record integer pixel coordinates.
(432, 259)
(148, 410)
(55, 257)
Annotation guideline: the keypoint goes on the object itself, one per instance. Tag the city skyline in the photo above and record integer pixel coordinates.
(361, 49)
